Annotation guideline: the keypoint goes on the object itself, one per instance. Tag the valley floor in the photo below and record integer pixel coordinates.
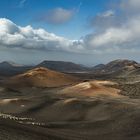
(91, 110)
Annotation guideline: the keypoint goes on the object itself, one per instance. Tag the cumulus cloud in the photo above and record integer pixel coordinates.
(14, 36)
(104, 20)
(117, 30)
(108, 37)
(57, 16)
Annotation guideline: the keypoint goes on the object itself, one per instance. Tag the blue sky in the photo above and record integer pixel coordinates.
(28, 12)
(82, 31)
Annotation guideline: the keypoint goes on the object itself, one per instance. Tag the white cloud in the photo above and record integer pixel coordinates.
(57, 16)
(123, 38)
(112, 39)
(131, 4)
(120, 39)
(117, 31)
(105, 20)
(14, 36)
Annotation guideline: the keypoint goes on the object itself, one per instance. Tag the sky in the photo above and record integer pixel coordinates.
(87, 32)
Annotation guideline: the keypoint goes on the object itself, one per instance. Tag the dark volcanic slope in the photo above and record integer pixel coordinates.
(90, 110)
(62, 66)
(70, 116)
(41, 77)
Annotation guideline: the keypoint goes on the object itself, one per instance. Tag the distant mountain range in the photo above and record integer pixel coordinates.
(119, 66)
(63, 66)
(10, 68)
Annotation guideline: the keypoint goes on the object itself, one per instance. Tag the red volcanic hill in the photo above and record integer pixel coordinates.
(41, 77)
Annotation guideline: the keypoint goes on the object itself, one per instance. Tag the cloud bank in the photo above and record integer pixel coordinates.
(14, 36)
(117, 31)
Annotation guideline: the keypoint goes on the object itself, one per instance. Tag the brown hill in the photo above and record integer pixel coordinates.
(117, 66)
(41, 77)
(92, 89)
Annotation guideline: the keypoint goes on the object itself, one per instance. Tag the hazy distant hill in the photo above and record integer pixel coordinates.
(11, 68)
(117, 66)
(63, 66)
(6, 64)
(98, 67)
